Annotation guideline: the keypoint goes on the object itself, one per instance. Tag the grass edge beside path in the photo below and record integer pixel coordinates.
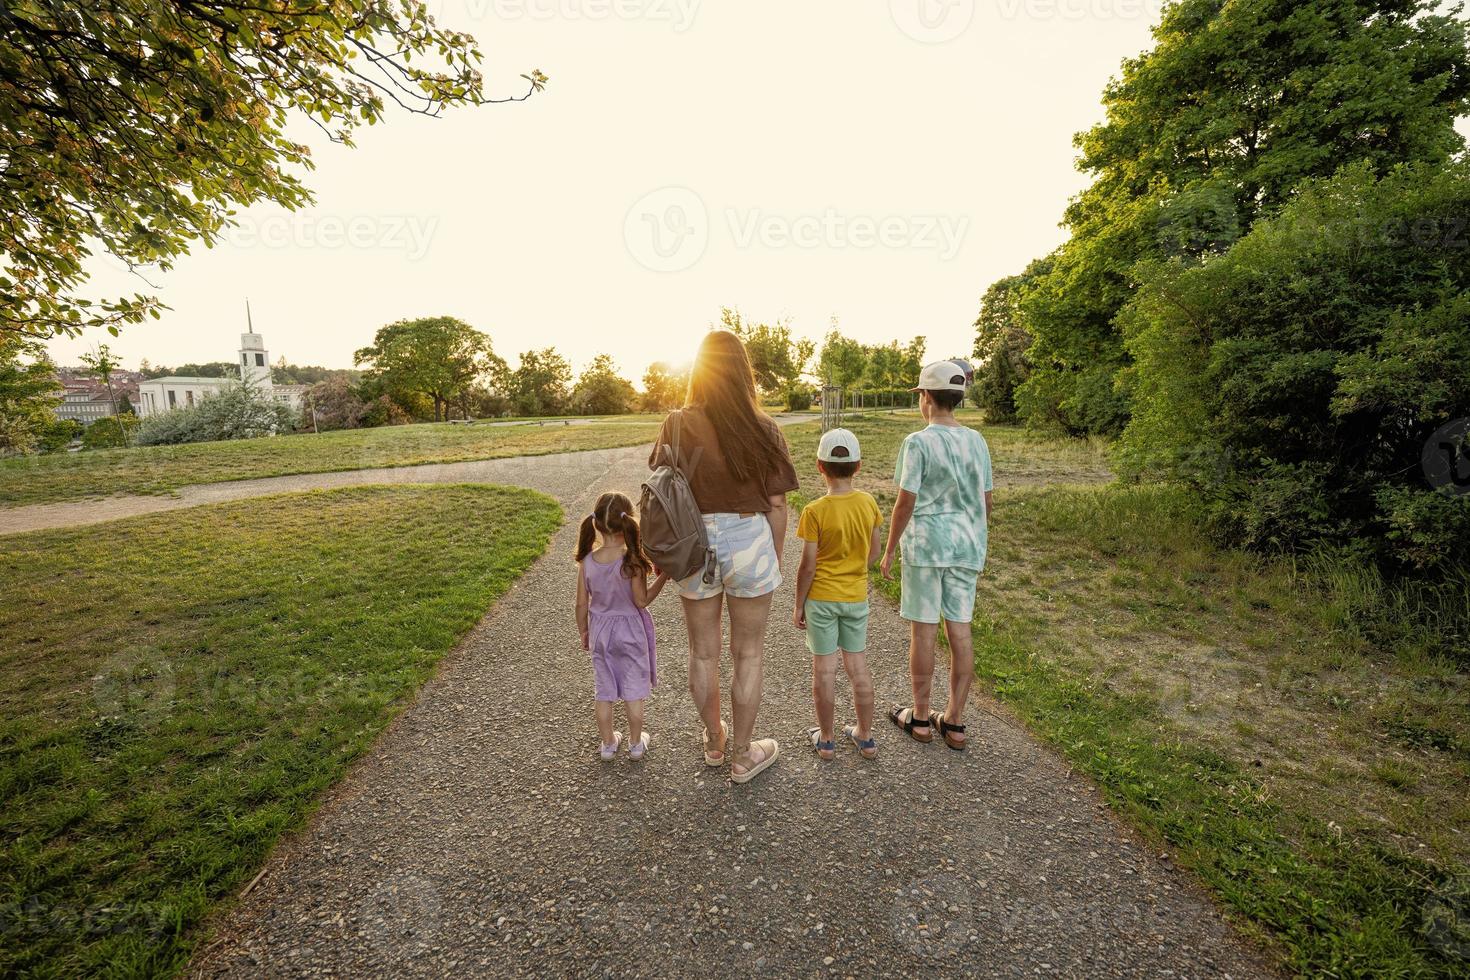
(178, 692)
(1106, 614)
(97, 474)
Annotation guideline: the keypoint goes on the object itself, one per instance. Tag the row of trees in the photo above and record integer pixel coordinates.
(1265, 286)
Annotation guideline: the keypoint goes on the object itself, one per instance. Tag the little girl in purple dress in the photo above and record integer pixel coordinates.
(612, 595)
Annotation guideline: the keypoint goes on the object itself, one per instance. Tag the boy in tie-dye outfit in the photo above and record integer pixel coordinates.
(940, 525)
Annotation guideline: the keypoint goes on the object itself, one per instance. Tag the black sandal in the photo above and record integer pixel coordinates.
(945, 728)
(895, 715)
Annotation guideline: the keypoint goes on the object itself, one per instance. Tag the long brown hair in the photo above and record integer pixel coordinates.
(723, 385)
(613, 514)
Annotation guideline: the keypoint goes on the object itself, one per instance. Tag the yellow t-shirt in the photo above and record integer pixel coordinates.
(842, 527)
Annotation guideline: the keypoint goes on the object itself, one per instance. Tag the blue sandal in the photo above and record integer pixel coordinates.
(826, 751)
(867, 747)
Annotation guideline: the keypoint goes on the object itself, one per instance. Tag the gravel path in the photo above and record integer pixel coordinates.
(482, 836)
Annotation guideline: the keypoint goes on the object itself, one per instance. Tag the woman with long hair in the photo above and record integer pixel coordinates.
(740, 471)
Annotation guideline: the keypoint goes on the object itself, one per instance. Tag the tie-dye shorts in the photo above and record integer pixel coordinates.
(744, 563)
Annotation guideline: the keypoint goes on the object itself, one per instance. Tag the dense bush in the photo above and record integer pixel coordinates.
(58, 434)
(798, 398)
(110, 433)
(1296, 379)
(240, 410)
(332, 404)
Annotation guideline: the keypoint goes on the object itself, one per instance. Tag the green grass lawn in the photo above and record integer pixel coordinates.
(1313, 770)
(160, 469)
(176, 690)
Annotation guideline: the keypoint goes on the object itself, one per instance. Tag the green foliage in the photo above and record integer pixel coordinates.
(776, 358)
(798, 398)
(110, 433)
(176, 696)
(541, 384)
(333, 404)
(209, 369)
(439, 358)
(240, 410)
(663, 388)
(143, 127)
(1235, 105)
(602, 391)
(304, 374)
(1001, 345)
(28, 394)
(58, 434)
(1295, 379)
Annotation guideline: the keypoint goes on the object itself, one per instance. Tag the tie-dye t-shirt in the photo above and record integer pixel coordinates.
(947, 469)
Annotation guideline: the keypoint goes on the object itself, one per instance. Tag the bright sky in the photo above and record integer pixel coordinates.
(877, 161)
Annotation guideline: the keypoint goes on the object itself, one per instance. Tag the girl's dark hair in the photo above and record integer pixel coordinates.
(723, 385)
(613, 514)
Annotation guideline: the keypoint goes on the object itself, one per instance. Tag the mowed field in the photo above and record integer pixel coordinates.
(160, 469)
(1297, 733)
(176, 691)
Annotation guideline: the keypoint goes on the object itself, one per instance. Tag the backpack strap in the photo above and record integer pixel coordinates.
(677, 417)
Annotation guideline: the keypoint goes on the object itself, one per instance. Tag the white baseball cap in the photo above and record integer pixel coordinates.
(941, 376)
(838, 446)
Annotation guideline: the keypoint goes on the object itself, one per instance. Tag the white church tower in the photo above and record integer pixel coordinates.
(255, 361)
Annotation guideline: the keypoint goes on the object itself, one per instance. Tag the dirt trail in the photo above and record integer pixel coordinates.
(482, 836)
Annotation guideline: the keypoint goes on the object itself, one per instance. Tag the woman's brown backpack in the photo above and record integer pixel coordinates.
(669, 520)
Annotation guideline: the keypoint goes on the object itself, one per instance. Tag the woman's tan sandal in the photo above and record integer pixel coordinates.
(958, 744)
(772, 750)
(715, 757)
(917, 730)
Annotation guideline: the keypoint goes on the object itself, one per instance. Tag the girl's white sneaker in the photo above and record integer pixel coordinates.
(609, 751)
(636, 750)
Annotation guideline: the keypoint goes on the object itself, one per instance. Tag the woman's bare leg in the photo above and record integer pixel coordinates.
(748, 619)
(702, 619)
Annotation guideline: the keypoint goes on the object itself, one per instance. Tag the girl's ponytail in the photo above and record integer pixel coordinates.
(635, 562)
(586, 537)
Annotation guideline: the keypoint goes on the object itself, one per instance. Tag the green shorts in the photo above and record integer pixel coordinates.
(833, 626)
(931, 593)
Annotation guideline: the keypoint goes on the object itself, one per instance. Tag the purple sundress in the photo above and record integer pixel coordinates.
(620, 635)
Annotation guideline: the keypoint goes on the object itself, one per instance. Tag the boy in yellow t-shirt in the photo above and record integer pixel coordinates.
(840, 535)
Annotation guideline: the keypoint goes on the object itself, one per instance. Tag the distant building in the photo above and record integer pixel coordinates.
(85, 399)
(164, 394)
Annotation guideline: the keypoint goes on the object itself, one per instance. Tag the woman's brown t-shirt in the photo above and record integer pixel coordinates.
(716, 489)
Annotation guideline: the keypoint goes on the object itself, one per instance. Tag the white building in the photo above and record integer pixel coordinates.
(165, 394)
